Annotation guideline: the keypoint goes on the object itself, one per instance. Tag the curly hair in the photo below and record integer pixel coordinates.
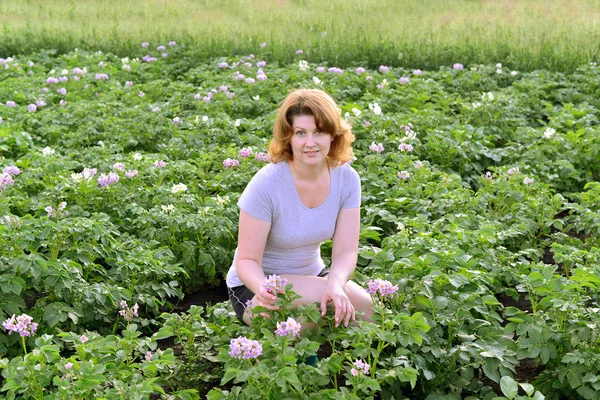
(320, 105)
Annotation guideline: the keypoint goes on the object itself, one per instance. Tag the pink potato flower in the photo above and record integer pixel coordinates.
(360, 367)
(23, 325)
(382, 288)
(377, 148)
(244, 348)
(291, 327)
(245, 152)
(229, 162)
(275, 284)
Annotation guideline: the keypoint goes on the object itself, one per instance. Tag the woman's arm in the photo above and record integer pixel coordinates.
(344, 257)
(252, 239)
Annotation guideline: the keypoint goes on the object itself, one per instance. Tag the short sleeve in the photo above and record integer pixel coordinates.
(351, 191)
(256, 199)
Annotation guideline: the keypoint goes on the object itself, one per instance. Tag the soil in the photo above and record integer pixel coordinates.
(522, 303)
(209, 295)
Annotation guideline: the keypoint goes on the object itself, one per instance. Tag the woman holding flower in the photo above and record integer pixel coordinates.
(307, 194)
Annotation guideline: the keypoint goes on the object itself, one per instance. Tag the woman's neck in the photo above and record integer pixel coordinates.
(307, 174)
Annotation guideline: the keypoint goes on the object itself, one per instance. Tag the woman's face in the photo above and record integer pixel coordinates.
(310, 145)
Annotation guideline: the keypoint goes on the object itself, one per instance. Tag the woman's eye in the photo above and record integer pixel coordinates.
(300, 133)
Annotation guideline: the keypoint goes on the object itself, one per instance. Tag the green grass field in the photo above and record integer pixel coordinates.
(558, 35)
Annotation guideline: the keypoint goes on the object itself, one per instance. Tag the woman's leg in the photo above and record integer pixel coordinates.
(311, 288)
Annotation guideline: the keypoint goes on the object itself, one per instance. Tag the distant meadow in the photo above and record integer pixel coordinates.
(558, 35)
(129, 130)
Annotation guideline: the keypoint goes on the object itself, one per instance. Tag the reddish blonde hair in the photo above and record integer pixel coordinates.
(320, 105)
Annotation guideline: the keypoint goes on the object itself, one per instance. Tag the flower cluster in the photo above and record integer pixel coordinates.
(230, 162)
(377, 148)
(107, 180)
(245, 348)
(23, 325)
(167, 208)
(528, 181)
(131, 173)
(128, 312)
(245, 152)
(160, 164)
(5, 181)
(375, 108)
(291, 327)
(336, 70)
(303, 65)
(382, 84)
(361, 367)
(513, 171)
(180, 187)
(59, 212)
(47, 151)
(87, 174)
(549, 132)
(261, 157)
(275, 284)
(405, 147)
(11, 221)
(11, 170)
(418, 164)
(382, 287)
(120, 166)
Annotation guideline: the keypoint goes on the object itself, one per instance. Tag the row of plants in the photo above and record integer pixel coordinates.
(120, 178)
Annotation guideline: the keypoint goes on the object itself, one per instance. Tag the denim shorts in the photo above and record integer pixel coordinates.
(240, 295)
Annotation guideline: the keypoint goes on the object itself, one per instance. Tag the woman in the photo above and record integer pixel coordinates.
(306, 195)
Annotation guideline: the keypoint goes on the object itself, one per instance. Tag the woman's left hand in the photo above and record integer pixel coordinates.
(344, 310)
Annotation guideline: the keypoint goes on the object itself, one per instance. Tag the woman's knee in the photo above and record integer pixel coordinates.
(361, 300)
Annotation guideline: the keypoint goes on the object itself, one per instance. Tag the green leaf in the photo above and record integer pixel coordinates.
(509, 387)
(164, 332)
(229, 375)
(216, 394)
(243, 375)
(538, 396)
(288, 374)
(528, 388)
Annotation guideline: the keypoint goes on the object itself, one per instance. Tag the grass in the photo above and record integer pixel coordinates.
(529, 34)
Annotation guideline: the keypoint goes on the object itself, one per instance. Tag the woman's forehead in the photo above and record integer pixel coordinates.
(303, 121)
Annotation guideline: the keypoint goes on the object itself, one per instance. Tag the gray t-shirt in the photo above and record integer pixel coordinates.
(294, 242)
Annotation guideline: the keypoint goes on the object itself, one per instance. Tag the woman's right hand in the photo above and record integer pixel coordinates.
(265, 298)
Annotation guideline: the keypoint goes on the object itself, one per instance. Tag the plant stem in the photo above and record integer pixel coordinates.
(23, 343)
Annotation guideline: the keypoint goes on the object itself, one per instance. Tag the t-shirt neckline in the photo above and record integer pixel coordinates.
(291, 179)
